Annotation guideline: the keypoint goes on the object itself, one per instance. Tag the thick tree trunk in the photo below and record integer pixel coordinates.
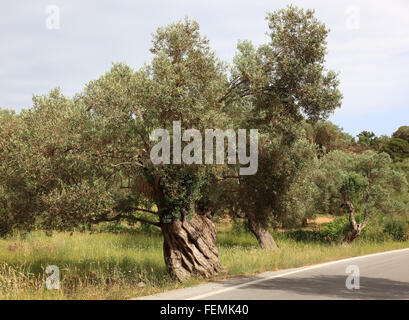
(190, 248)
(262, 235)
(355, 228)
(351, 235)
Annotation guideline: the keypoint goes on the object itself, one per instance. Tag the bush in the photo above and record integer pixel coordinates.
(336, 229)
(397, 228)
(330, 232)
(239, 227)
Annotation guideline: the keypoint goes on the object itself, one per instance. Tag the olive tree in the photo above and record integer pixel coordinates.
(371, 187)
(185, 82)
(279, 84)
(47, 176)
(327, 136)
(365, 183)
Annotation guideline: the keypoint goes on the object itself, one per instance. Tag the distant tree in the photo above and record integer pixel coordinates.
(367, 138)
(398, 145)
(352, 190)
(328, 136)
(372, 189)
(402, 133)
(365, 184)
(328, 179)
(397, 148)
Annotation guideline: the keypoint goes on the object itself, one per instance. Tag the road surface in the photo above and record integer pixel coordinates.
(382, 276)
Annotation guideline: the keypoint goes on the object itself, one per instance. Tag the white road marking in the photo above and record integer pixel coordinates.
(205, 295)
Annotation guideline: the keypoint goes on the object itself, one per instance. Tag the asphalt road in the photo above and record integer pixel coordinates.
(382, 276)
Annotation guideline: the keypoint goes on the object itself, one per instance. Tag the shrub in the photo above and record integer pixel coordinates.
(397, 228)
(239, 227)
(330, 232)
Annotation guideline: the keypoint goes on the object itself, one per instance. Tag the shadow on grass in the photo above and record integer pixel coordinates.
(139, 241)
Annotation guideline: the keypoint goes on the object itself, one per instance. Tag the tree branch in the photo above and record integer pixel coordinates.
(133, 218)
(230, 90)
(366, 220)
(118, 217)
(351, 210)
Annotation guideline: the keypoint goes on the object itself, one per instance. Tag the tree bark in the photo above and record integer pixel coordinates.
(355, 228)
(190, 248)
(262, 235)
(351, 235)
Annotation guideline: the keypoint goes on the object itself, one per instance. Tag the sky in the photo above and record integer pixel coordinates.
(45, 44)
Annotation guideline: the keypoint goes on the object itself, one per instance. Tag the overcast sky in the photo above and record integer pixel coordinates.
(368, 45)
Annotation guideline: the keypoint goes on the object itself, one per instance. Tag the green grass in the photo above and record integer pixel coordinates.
(121, 266)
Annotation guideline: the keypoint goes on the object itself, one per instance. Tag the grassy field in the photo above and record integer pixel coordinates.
(121, 266)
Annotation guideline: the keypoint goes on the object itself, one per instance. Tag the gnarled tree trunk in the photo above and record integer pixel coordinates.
(356, 228)
(190, 247)
(263, 236)
(351, 235)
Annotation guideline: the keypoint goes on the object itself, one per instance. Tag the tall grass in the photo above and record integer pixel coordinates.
(121, 266)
